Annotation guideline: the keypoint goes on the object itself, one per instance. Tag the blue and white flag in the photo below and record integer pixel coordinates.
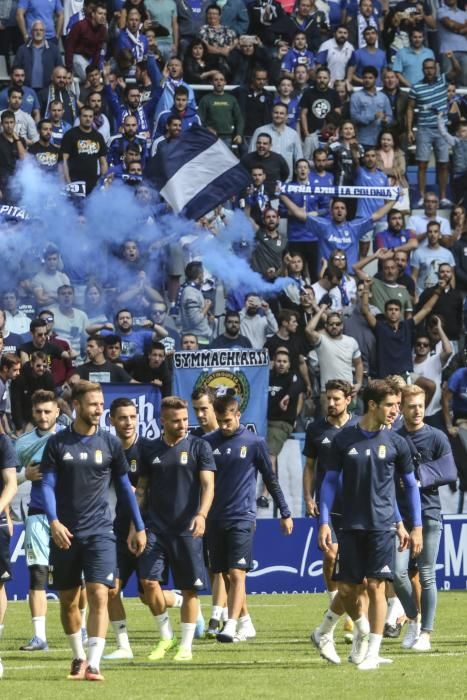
(196, 172)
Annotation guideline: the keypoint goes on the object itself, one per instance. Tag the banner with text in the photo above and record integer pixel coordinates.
(290, 564)
(245, 373)
(147, 399)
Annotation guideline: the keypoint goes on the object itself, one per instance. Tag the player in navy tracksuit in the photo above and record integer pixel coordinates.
(176, 487)
(430, 445)
(239, 456)
(8, 486)
(366, 457)
(77, 466)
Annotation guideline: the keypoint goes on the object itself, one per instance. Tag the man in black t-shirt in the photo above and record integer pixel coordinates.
(84, 152)
(46, 154)
(288, 339)
(317, 102)
(38, 329)
(151, 369)
(12, 149)
(98, 369)
(273, 164)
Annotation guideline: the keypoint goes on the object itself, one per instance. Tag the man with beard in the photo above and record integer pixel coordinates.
(119, 143)
(316, 104)
(270, 246)
(257, 321)
(231, 337)
(151, 368)
(46, 154)
(396, 237)
(30, 102)
(135, 341)
(98, 368)
(335, 54)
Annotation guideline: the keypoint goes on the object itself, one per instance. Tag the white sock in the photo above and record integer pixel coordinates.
(244, 621)
(329, 622)
(83, 618)
(178, 600)
(230, 627)
(164, 626)
(225, 614)
(188, 632)
(217, 611)
(362, 625)
(395, 610)
(374, 644)
(95, 650)
(121, 633)
(76, 643)
(38, 624)
(331, 596)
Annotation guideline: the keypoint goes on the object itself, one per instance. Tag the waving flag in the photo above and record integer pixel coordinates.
(196, 172)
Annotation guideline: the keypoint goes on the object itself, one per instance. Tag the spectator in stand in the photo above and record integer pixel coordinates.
(326, 290)
(51, 13)
(270, 246)
(347, 286)
(25, 126)
(231, 337)
(164, 324)
(47, 155)
(398, 100)
(317, 102)
(84, 152)
(298, 54)
(113, 349)
(10, 35)
(248, 55)
(418, 223)
(408, 61)
(12, 149)
(135, 341)
(294, 342)
(335, 54)
(97, 368)
(255, 102)
(131, 37)
(35, 375)
(198, 64)
(95, 304)
(428, 366)
(385, 287)
(256, 199)
(194, 308)
(429, 96)
(339, 356)
(11, 340)
(219, 39)
(189, 342)
(368, 55)
(459, 251)
(306, 18)
(344, 154)
(59, 125)
(40, 341)
(459, 157)
(85, 42)
(59, 90)
(151, 368)
(100, 123)
(370, 109)
(357, 328)
(284, 140)
(300, 80)
(285, 95)
(38, 58)
(396, 237)
(449, 305)
(30, 103)
(368, 175)
(427, 259)
(263, 16)
(358, 18)
(61, 368)
(220, 112)
(273, 164)
(390, 159)
(46, 283)
(164, 12)
(118, 143)
(16, 321)
(257, 322)
(180, 109)
(70, 322)
(451, 24)
(395, 336)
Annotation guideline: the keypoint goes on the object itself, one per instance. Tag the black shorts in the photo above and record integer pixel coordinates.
(182, 554)
(364, 554)
(335, 523)
(127, 563)
(93, 558)
(5, 564)
(230, 545)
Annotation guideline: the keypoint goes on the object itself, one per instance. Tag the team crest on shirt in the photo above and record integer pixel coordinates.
(183, 457)
(243, 451)
(133, 465)
(98, 457)
(382, 451)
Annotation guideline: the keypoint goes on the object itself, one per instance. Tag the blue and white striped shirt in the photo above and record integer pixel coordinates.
(430, 98)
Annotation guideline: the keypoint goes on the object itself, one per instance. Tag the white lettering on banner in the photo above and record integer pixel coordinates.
(314, 569)
(147, 423)
(19, 550)
(220, 358)
(343, 191)
(455, 555)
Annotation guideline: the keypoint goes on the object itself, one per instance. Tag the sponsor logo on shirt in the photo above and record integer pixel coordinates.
(156, 461)
(67, 456)
(243, 451)
(216, 451)
(133, 465)
(382, 451)
(83, 455)
(184, 458)
(98, 457)
(326, 441)
(87, 147)
(353, 451)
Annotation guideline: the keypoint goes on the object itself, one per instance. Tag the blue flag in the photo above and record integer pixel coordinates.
(196, 172)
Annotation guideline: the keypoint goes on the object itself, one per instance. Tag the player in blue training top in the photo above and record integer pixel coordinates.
(124, 418)
(175, 491)
(77, 466)
(318, 439)
(366, 457)
(8, 462)
(29, 449)
(239, 455)
(430, 445)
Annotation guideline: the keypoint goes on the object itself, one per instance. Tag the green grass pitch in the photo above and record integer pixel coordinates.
(280, 663)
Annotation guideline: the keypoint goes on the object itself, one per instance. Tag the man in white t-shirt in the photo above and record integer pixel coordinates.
(418, 223)
(428, 365)
(70, 322)
(49, 279)
(339, 356)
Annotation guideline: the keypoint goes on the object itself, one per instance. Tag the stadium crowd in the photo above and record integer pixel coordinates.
(347, 286)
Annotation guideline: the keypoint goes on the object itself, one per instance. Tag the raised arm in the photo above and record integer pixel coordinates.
(430, 303)
(370, 318)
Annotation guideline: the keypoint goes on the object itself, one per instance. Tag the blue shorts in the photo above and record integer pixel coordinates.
(182, 554)
(230, 545)
(93, 558)
(427, 139)
(5, 565)
(364, 554)
(37, 540)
